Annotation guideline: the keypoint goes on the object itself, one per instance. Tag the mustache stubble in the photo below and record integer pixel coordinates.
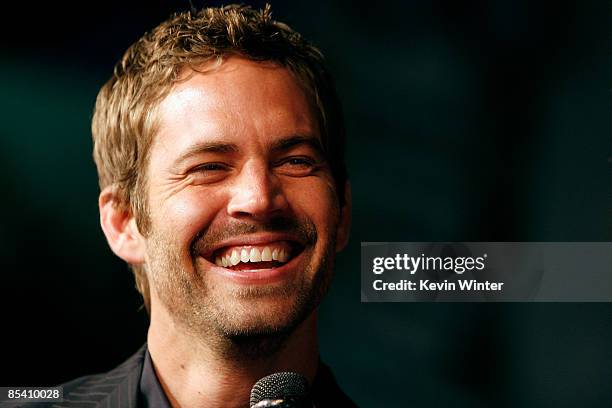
(303, 230)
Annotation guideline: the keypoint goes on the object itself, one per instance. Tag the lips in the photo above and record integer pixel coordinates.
(254, 253)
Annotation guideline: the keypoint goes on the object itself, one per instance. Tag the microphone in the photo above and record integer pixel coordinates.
(281, 390)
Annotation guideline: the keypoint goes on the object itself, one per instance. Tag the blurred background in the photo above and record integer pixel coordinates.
(467, 121)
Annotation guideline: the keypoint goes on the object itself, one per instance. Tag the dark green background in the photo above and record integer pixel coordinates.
(467, 121)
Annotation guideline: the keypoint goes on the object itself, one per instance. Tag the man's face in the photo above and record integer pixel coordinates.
(243, 209)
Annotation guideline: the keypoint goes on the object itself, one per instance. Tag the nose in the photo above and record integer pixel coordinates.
(256, 193)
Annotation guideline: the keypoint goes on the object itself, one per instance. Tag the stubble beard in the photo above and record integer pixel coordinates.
(221, 317)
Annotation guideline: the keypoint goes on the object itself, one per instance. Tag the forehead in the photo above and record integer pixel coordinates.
(236, 101)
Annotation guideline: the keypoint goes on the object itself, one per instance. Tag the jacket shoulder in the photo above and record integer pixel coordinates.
(118, 387)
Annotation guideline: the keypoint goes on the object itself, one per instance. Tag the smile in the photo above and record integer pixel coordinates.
(276, 253)
(255, 256)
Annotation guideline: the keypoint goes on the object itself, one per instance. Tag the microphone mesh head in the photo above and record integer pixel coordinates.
(279, 386)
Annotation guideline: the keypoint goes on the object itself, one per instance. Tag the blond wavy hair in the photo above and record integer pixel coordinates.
(124, 120)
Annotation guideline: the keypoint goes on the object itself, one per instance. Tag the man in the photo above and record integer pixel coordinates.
(219, 147)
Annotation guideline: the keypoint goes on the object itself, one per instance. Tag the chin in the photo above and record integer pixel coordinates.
(264, 315)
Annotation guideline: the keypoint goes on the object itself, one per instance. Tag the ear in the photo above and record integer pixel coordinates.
(120, 229)
(344, 226)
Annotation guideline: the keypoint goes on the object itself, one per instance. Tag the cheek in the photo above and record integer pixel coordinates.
(316, 201)
(184, 215)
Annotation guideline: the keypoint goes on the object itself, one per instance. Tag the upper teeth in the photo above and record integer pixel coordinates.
(252, 254)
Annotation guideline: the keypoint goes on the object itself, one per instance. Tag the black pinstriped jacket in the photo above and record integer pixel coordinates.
(120, 388)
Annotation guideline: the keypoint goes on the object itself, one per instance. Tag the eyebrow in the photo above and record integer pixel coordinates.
(296, 140)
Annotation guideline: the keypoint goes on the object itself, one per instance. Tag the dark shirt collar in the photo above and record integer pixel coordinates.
(153, 395)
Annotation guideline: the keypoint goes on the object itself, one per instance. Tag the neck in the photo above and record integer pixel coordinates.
(195, 373)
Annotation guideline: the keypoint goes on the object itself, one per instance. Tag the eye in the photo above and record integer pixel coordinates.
(209, 172)
(210, 167)
(297, 166)
(300, 161)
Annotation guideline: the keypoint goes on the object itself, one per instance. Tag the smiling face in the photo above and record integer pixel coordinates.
(244, 216)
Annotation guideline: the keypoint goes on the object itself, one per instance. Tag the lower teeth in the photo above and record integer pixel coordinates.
(255, 265)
